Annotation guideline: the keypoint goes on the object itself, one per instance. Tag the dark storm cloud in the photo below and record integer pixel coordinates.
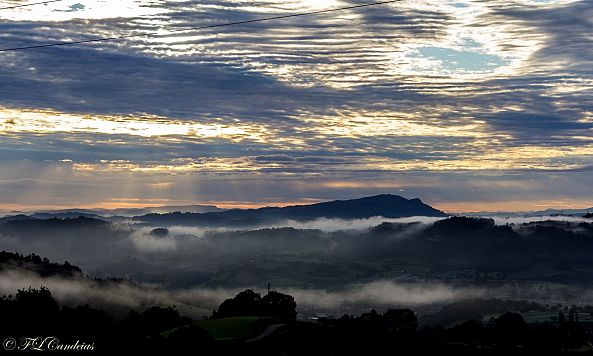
(539, 128)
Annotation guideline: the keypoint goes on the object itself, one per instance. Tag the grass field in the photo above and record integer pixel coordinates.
(234, 328)
(229, 329)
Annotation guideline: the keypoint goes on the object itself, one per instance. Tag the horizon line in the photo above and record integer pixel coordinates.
(449, 207)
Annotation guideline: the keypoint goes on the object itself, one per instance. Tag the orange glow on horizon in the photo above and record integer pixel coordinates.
(148, 204)
(449, 207)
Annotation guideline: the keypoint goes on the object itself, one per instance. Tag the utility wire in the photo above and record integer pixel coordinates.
(105, 39)
(29, 4)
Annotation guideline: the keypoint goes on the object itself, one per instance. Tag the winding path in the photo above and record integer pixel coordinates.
(269, 331)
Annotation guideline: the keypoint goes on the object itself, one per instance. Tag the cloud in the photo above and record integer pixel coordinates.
(147, 243)
(397, 89)
(524, 220)
(540, 128)
(116, 298)
(197, 302)
(386, 293)
(76, 292)
(191, 238)
(333, 225)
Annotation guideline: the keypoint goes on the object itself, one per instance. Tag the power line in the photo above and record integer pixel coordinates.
(30, 4)
(105, 39)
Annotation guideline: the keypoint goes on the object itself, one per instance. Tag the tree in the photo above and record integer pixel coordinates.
(402, 319)
(152, 320)
(31, 310)
(246, 303)
(279, 305)
(511, 329)
(250, 303)
(469, 331)
(159, 232)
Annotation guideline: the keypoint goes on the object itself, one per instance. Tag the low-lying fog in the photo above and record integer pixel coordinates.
(326, 264)
(118, 298)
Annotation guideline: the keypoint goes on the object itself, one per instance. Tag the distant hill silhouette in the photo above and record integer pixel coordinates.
(385, 205)
(26, 221)
(117, 214)
(64, 215)
(25, 226)
(18, 217)
(41, 266)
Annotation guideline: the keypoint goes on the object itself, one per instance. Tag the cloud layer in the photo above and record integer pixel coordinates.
(416, 97)
(118, 298)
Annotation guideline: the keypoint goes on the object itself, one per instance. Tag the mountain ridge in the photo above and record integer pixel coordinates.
(385, 205)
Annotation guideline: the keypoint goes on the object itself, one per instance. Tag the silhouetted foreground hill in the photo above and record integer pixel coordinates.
(249, 324)
(385, 205)
(35, 314)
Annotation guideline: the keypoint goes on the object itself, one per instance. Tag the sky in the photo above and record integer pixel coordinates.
(468, 105)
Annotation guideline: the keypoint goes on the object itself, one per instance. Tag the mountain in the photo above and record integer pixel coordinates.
(14, 218)
(63, 215)
(54, 227)
(385, 205)
(113, 215)
(161, 210)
